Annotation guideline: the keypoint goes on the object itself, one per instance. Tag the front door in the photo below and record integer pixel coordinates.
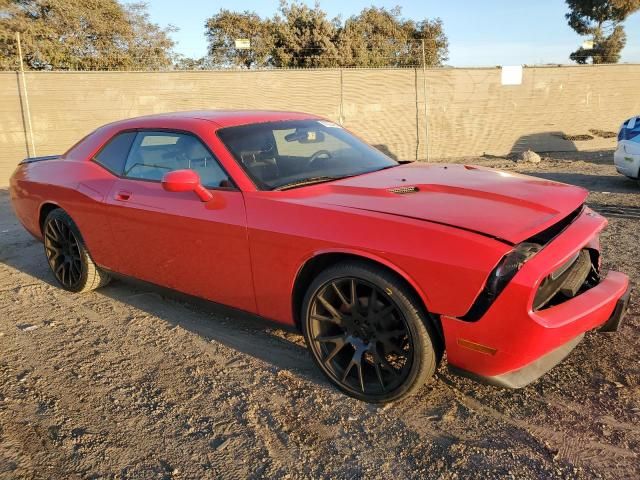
(172, 238)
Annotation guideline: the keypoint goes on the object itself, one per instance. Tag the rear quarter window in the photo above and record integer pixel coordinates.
(114, 154)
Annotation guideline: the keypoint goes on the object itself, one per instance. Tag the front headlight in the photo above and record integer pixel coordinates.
(509, 266)
(500, 277)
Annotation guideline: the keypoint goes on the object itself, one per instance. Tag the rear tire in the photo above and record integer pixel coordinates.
(67, 255)
(368, 333)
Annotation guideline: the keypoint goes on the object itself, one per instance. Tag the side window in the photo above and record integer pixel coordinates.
(155, 153)
(114, 154)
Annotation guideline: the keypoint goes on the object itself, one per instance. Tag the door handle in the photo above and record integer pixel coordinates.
(123, 195)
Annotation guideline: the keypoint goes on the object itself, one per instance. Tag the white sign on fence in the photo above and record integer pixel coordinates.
(511, 75)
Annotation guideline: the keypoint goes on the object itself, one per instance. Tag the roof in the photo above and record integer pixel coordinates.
(228, 118)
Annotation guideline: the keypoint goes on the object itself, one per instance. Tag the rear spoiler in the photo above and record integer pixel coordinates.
(39, 159)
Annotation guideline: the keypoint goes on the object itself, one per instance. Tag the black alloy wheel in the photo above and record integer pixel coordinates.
(367, 335)
(67, 254)
(63, 253)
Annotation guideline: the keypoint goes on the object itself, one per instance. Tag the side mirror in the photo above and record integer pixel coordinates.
(185, 181)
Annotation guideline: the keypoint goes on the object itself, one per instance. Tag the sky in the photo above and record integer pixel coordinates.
(480, 33)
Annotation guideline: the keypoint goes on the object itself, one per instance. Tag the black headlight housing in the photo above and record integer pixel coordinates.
(501, 276)
(509, 266)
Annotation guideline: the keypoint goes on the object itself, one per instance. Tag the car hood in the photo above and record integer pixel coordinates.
(503, 205)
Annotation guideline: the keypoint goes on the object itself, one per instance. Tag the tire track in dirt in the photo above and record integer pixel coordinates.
(576, 449)
(128, 383)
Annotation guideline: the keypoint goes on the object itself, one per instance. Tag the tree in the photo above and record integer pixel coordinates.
(224, 28)
(378, 37)
(303, 36)
(82, 35)
(601, 20)
(181, 62)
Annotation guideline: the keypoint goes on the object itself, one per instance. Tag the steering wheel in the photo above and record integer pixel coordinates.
(317, 156)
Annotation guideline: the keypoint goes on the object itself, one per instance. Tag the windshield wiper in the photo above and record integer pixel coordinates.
(310, 181)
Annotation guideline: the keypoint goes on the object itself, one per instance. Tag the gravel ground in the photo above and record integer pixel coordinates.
(127, 382)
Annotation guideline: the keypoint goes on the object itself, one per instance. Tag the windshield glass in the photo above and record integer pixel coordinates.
(301, 152)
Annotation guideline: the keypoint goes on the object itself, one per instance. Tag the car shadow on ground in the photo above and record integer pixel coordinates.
(596, 157)
(594, 183)
(275, 344)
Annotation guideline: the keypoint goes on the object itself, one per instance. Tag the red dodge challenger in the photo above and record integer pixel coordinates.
(382, 264)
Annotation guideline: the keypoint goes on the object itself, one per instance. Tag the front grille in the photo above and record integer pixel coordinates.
(579, 274)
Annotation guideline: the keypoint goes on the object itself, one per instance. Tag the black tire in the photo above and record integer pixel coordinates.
(67, 255)
(394, 342)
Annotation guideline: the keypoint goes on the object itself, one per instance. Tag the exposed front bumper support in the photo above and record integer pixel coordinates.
(614, 323)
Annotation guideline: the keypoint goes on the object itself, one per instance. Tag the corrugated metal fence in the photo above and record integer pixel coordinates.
(468, 111)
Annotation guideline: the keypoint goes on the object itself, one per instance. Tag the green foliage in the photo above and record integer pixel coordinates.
(225, 27)
(378, 37)
(303, 36)
(82, 35)
(601, 21)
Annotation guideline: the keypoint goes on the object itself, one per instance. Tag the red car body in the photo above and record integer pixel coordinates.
(250, 249)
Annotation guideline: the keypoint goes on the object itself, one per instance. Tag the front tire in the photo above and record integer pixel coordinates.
(368, 333)
(67, 255)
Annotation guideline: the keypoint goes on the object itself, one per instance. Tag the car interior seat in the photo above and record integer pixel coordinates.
(194, 156)
(258, 154)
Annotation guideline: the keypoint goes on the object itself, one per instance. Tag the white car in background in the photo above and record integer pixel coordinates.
(627, 155)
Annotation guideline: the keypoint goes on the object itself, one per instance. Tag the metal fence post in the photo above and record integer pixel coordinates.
(341, 97)
(426, 111)
(26, 112)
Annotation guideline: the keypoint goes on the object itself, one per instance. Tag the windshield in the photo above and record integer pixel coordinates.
(294, 153)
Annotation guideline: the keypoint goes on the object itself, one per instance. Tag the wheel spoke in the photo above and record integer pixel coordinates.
(354, 297)
(53, 253)
(347, 370)
(373, 298)
(356, 361)
(60, 271)
(52, 229)
(51, 236)
(67, 273)
(385, 311)
(59, 229)
(360, 375)
(384, 363)
(376, 365)
(339, 346)
(322, 318)
(340, 295)
(330, 308)
(76, 268)
(332, 338)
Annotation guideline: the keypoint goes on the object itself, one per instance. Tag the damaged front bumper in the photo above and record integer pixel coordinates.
(513, 343)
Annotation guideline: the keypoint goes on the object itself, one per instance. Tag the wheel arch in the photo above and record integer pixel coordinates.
(45, 209)
(325, 259)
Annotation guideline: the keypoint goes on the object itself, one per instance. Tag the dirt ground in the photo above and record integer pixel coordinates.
(127, 382)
